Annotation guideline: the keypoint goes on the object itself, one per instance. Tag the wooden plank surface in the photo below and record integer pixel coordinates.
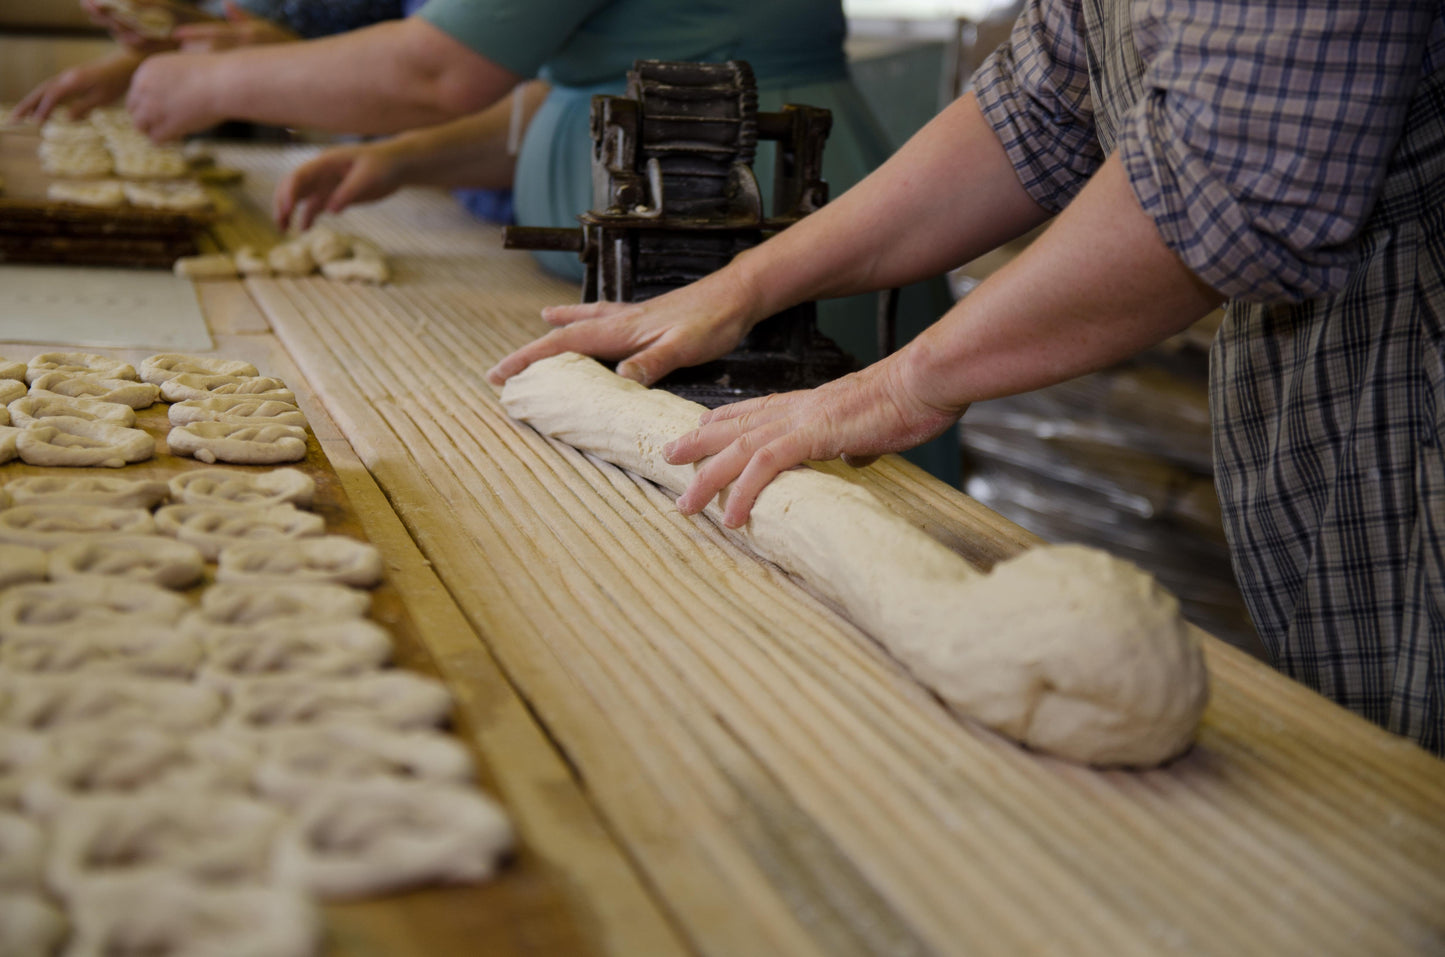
(782, 785)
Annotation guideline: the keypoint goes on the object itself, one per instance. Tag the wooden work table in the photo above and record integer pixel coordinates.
(702, 757)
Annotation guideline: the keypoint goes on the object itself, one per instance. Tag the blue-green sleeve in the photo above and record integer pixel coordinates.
(517, 34)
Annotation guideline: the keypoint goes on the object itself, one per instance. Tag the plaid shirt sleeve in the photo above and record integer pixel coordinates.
(1034, 90)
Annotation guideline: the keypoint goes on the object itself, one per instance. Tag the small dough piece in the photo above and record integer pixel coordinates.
(358, 269)
(290, 647)
(51, 525)
(100, 193)
(330, 558)
(326, 244)
(20, 564)
(22, 855)
(211, 266)
(296, 762)
(228, 408)
(118, 760)
(251, 263)
(137, 395)
(398, 700)
(67, 440)
(24, 756)
(30, 926)
(50, 703)
(150, 649)
(107, 490)
(41, 404)
(191, 385)
(44, 606)
(254, 603)
(12, 389)
(78, 363)
(153, 559)
(238, 440)
(167, 365)
(291, 259)
(212, 527)
(382, 836)
(231, 487)
(169, 915)
(1064, 649)
(210, 838)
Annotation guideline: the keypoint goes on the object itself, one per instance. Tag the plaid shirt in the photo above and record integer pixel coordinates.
(1292, 152)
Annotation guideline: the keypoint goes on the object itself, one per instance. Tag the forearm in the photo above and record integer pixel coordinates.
(473, 152)
(392, 76)
(1098, 286)
(948, 196)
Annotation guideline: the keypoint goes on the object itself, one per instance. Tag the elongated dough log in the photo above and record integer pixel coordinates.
(202, 268)
(1064, 649)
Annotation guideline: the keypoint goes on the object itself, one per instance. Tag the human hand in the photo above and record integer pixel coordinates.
(170, 95)
(239, 29)
(81, 88)
(336, 179)
(860, 417)
(684, 327)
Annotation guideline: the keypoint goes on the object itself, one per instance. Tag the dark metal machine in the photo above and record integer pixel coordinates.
(675, 198)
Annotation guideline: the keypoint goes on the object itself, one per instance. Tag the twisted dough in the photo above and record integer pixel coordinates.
(223, 408)
(41, 606)
(193, 385)
(290, 647)
(296, 762)
(149, 648)
(239, 440)
(168, 915)
(41, 404)
(153, 559)
(330, 558)
(78, 363)
(137, 395)
(48, 702)
(230, 487)
(252, 603)
(20, 564)
(167, 365)
(212, 527)
(393, 699)
(382, 835)
(213, 838)
(67, 440)
(49, 526)
(108, 490)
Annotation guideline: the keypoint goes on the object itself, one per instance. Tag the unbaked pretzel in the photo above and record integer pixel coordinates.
(20, 564)
(78, 363)
(154, 559)
(69, 441)
(329, 558)
(47, 605)
(167, 365)
(51, 525)
(137, 395)
(212, 527)
(244, 407)
(255, 603)
(296, 647)
(294, 762)
(393, 699)
(41, 404)
(192, 385)
(379, 836)
(108, 490)
(50, 702)
(241, 441)
(131, 648)
(231, 487)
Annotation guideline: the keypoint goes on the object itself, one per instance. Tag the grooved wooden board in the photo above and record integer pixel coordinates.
(781, 785)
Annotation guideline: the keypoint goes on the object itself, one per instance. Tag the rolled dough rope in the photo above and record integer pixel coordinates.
(12, 389)
(91, 648)
(40, 404)
(66, 440)
(22, 854)
(167, 365)
(1064, 649)
(78, 363)
(191, 385)
(235, 408)
(153, 559)
(114, 761)
(242, 441)
(12, 369)
(30, 926)
(398, 700)
(331, 558)
(105, 490)
(202, 268)
(49, 703)
(254, 603)
(20, 564)
(210, 838)
(291, 647)
(212, 527)
(137, 395)
(44, 606)
(50, 526)
(295, 762)
(291, 259)
(230, 487)
(172, 916)
(251, 263)
(24, 756)
(382, 836)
